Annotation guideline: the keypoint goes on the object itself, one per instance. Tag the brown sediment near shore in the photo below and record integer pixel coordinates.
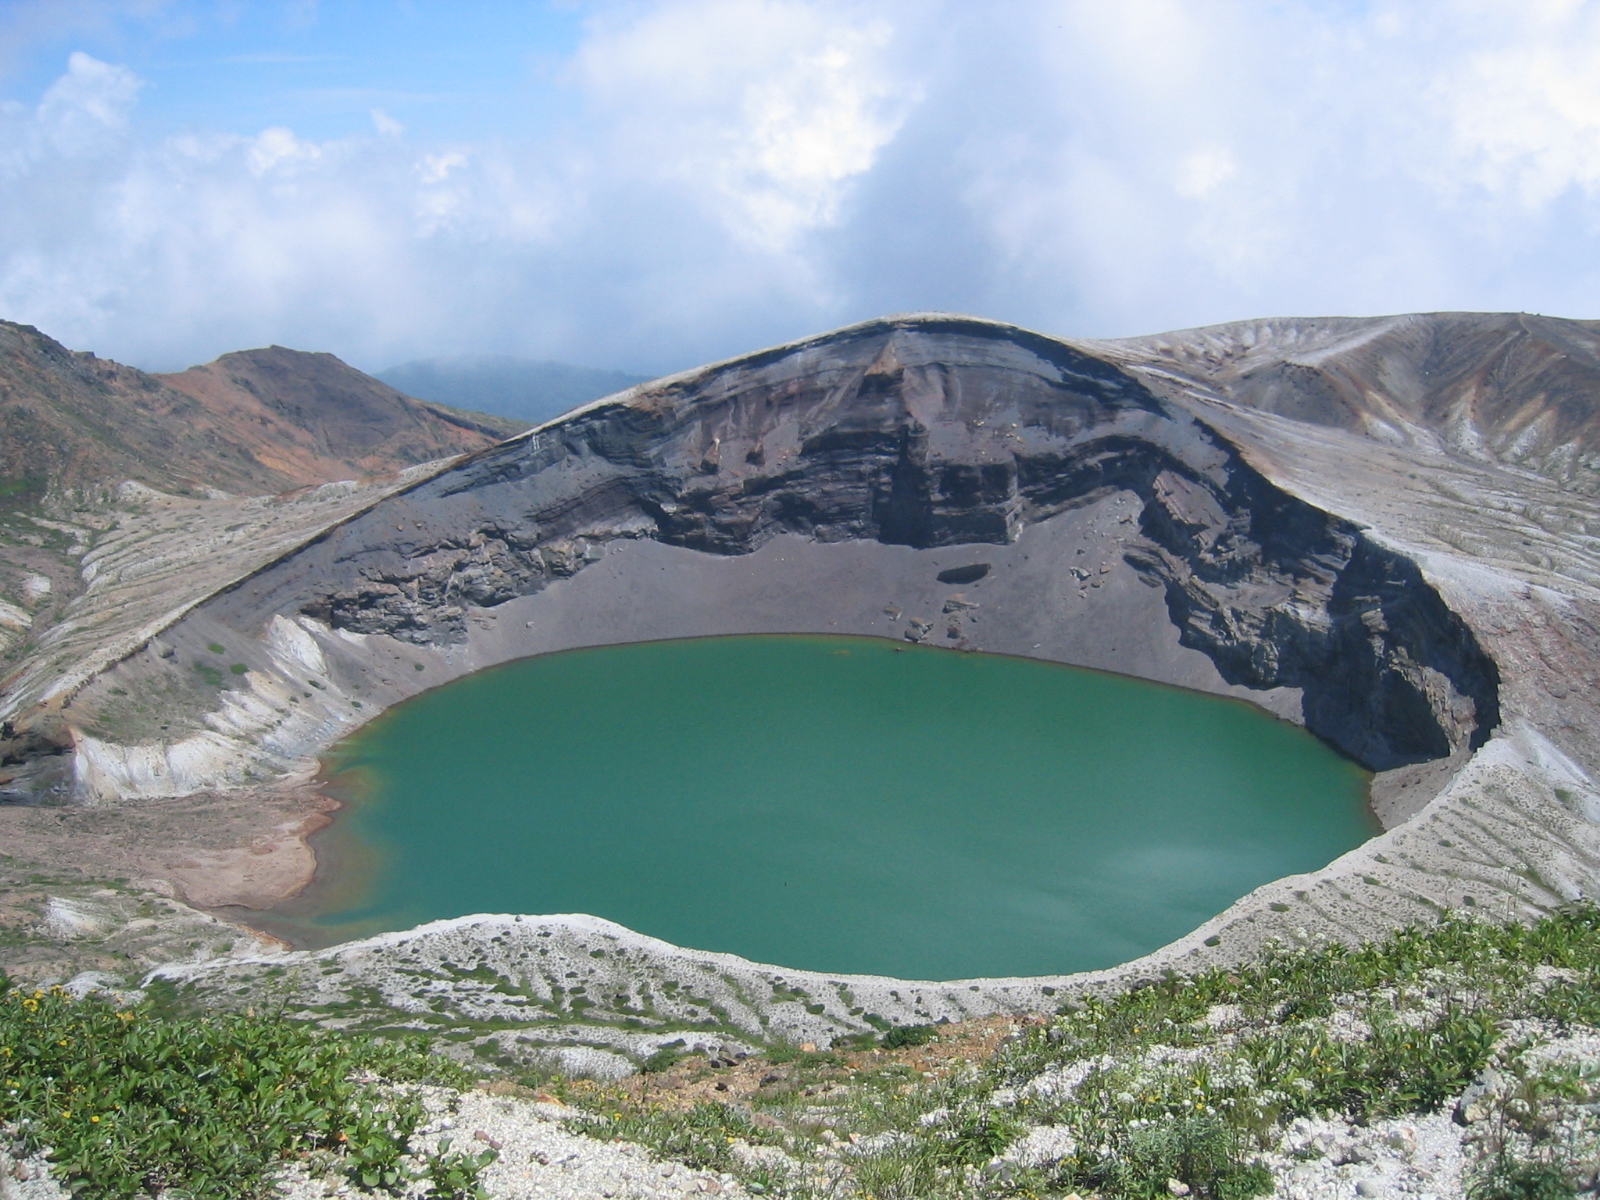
(341, 871)
(245, 847)
(233, 854)
(271, 868)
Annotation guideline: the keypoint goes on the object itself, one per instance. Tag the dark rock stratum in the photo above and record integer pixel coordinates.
(932, 433)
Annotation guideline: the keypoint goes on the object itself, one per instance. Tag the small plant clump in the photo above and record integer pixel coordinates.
(130, 1102)
(908, 1035)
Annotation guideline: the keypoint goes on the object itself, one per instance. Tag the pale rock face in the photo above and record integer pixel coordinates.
(107, 771)
(290, 640)
(75, 918)
(13, 618)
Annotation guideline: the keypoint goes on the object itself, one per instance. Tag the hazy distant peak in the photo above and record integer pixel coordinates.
(531, 390)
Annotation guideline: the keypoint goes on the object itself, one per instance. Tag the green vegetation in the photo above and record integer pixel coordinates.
(1203, 1151)
(131, 1101)
(700, 1136)
(663, 1059)
(908, 1035)
(23, 491)
(1192, 1079)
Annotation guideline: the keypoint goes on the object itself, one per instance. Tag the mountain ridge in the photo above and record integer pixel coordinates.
(252, 422)
(1516, 389)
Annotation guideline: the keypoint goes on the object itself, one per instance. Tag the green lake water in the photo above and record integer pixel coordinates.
(839, 804)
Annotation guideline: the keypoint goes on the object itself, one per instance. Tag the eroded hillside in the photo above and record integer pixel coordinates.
(126, 497)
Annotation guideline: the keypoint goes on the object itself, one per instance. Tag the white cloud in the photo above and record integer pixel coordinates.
(1203, 170)
(278, 149)
(1525, 105)
(91, 100)
(80, 114)
(731, 172)
(385, 124)
(436, 168)
(767, 108)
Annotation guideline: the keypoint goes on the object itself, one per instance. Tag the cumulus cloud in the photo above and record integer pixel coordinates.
(739, 171)
(1524, 104)
(767, 108)
(385, 124)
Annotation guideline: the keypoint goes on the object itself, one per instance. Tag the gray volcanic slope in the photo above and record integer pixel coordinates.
(1383, 566)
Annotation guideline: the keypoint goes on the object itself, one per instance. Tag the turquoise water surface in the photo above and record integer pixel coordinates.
(840, 804)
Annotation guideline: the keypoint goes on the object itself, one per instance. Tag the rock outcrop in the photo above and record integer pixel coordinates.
(925, 433)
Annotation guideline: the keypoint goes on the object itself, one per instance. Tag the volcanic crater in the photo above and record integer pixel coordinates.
(1191, 509)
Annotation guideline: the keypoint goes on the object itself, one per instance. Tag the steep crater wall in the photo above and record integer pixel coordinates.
(921, 433)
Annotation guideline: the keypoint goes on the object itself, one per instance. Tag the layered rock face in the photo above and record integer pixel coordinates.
(925, 433)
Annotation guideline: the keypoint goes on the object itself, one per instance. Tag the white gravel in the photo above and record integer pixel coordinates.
(539, 1156)
(1416, 1156)
(28, 1179)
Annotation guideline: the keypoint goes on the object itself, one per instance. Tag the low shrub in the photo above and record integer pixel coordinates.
(1199, 1151)
(132, 1102)
(1507, 1179)
(664, 1059)
(699, 1136)
(908, 1035)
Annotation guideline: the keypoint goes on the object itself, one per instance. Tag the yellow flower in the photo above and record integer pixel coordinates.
(96, 1120)
(66, 1112)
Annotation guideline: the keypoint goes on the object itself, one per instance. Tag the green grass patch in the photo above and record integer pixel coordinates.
(132, 1102)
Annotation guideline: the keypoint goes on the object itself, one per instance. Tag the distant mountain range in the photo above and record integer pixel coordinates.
(252, 422)
(519, 388)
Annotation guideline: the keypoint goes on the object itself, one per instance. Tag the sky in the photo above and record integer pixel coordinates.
(651, 184)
